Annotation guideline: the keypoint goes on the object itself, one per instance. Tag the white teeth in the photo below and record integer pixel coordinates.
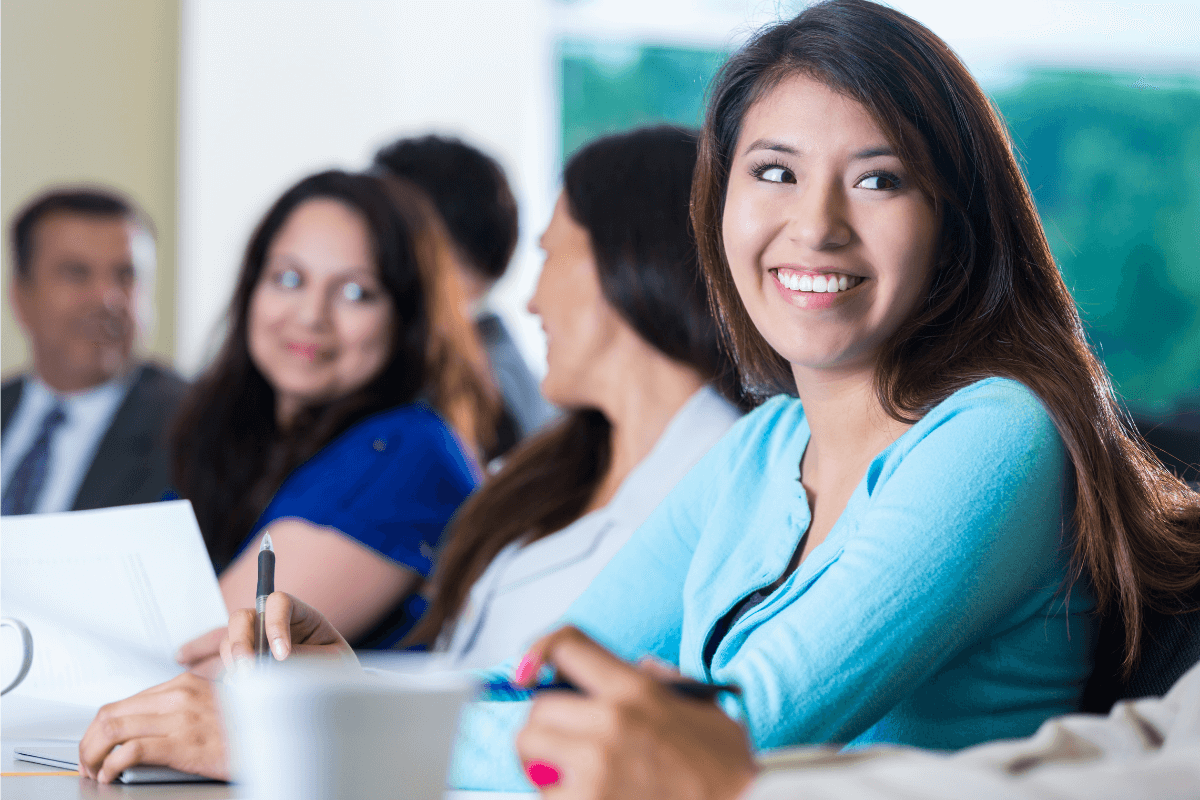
(817, 283)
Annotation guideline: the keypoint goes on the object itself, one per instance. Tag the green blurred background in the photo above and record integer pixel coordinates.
(1113, 161)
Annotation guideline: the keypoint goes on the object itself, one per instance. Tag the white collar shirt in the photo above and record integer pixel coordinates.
(72, 446)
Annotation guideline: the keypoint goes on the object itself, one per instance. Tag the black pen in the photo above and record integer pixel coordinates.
(266, 585)
(685, 687)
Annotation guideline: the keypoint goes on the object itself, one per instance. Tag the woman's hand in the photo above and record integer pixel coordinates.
(202, 655)
(175, 724)
(628, 735)
(292, 626)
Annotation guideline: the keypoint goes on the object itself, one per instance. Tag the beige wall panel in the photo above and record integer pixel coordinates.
(89, 92)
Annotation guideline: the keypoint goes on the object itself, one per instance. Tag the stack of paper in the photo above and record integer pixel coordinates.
(109, 596)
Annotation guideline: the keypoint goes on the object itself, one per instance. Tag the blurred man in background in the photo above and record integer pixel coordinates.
(473, 197)
(85, 428)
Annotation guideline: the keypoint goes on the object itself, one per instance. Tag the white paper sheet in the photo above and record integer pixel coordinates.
(109, 596)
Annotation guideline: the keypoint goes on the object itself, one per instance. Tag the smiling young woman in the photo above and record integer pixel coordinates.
(344, 408)
(989, 300)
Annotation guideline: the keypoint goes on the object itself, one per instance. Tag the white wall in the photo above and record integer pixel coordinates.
(272, 90)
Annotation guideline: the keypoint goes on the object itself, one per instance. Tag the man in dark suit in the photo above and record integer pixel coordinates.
(86, 428)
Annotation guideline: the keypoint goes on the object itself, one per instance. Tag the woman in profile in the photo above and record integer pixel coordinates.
(344, 410)
(633, 355)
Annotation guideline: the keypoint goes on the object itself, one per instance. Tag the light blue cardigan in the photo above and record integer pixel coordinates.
(936, 613)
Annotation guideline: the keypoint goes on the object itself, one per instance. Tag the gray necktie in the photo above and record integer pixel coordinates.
(25, 485)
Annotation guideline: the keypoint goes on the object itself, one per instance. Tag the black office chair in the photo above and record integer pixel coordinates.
(1170, 647)
(1171, 642)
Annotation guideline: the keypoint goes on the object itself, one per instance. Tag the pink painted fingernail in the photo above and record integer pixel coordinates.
(541, 774)
(526, 669)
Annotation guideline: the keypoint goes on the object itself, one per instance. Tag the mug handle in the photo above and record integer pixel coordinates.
(26, 651)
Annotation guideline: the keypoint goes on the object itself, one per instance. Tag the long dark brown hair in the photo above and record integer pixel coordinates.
(997, 305)
(230, 455)
(630, 192)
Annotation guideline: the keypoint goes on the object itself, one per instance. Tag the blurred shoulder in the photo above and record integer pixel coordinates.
(412, 429)
(10, 396)
(159, 382)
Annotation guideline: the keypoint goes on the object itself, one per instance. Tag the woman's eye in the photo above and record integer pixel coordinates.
(353, 292)
(773, 174)
(880, 180)
(288, 279)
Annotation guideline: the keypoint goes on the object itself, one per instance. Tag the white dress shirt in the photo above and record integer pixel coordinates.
(1148, 748)
(72, 446)
(527, 588)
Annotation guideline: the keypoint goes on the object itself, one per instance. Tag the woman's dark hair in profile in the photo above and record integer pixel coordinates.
(629, 192)
(230, 455)
(997, 306)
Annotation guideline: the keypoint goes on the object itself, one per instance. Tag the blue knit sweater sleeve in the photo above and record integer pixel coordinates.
(936, 611)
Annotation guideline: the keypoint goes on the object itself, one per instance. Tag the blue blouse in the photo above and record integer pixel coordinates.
(937, 612)
(391, 482)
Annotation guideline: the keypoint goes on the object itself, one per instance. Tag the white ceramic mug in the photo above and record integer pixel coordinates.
(315, 731)
(26, 651)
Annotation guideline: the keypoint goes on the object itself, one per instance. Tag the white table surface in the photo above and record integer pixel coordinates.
(73, 787)
(61, 724)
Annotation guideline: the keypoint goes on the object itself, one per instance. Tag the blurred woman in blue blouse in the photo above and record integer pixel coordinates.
(343, 410)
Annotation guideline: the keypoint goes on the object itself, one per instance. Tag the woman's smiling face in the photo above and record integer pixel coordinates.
(829, 240)
(320, 322)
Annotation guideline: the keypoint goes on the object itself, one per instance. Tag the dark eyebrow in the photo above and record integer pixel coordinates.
(780, 147)
(771, 144)
(874, 152)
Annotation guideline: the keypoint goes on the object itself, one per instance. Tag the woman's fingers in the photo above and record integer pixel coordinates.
(291, 625)
(96, 747)
(108, 728)
(201, 648)
(278, 619)
(209, 669)
(281, 615)
(175, 724)
(628, 735)
(575, 715)
(658, 669)
(239, 643)
(576, 763)
(589, 666)
(159, 750)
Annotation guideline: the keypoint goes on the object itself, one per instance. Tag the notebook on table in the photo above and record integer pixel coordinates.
(67, 757)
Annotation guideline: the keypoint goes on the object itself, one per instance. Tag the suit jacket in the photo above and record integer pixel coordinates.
(132, 462)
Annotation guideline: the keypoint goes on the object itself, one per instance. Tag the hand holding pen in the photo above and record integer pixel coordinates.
(626, 725)
(279, 624)
(266, 585)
